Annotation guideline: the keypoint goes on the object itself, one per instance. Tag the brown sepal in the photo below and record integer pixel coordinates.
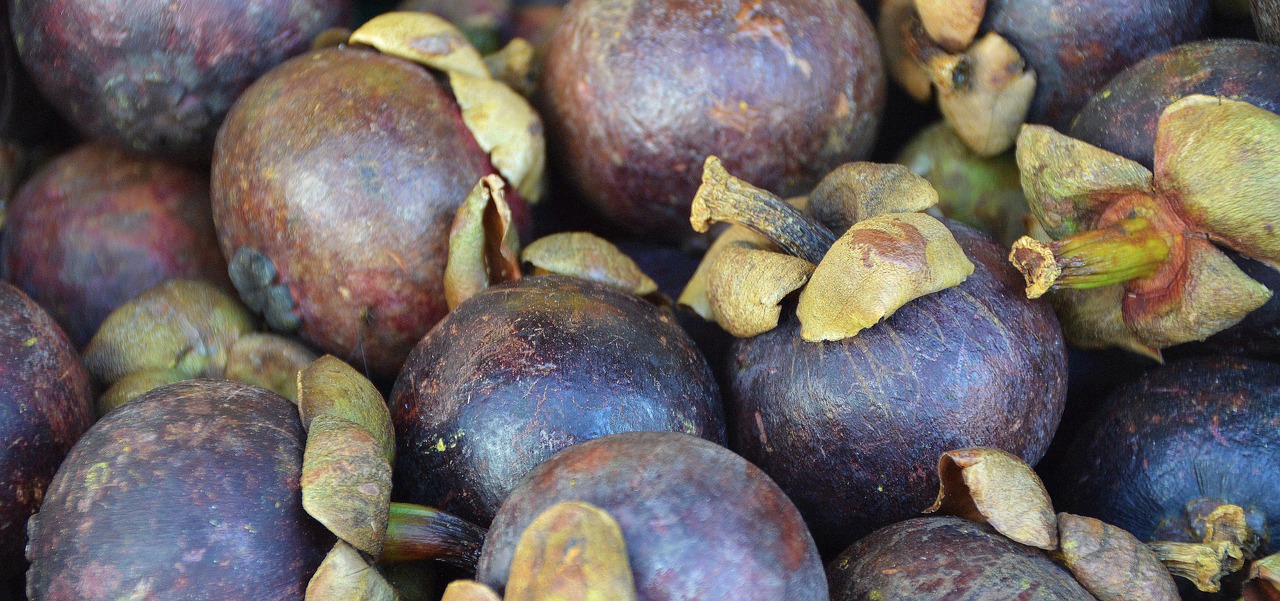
(746, 285)
(994, 487)
(269, 361)
(1204, 564)
(856, 191)
(346, 483)
(513, 65)
(469, 590)
(696, 290)
(953, 24)
(484, 248)
(1110, 563)
(424, 39)
(572, 551)
(894, 20)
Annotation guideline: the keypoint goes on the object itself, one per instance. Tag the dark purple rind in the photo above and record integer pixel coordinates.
(1077, 46)
(699, 521)
(852, 430)
(98, 226)
(947, 558)
(345, 167)
(1122, 116)
(1206, 428)
(190, 491)
(525, 369)
(157, 76)
(637, 93)
(45, 405)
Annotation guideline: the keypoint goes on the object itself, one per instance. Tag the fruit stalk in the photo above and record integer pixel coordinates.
(1128, 250)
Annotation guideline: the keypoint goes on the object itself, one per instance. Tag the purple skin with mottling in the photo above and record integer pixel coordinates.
(190, 491)
(1077, 46)
(637, 93)
(699, 521)
(525, 369)
(98, 226)
(158, 76)
(45, 405)
(943, 558)
(852, 430)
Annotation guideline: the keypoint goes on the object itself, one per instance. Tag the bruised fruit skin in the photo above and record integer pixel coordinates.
(1199, 429)
(699, 521)
(335, 182)
(1122, 116)
(156, 76)
(1076, 46)
(947, 558)
(45, 405)
(637, 93)
(851, 429)
(525, 369)
(98, 226)
(189, 491)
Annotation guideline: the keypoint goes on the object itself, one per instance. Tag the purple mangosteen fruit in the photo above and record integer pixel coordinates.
(45, 405)
(97, 226)
(158, 77)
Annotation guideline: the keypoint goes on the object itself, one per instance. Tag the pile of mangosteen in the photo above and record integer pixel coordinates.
(733, 300)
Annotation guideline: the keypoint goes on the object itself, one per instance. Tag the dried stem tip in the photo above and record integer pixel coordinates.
(1128, 250)
(1204, 564)
(417, 532)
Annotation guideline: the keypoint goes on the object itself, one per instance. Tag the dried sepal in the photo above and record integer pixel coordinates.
(992, 486)
(418, 532)
(746, 285)
(587, 256)
(136, 384)
(505, 125)
(513, 65)
(1228, 522)
(469, 590)
(1111, 563)
(723, 198)
(1213, 294)
(187, 325)
(328, 386)
(1221, 158)
(572, 550)
(269, 361)
(695, 293)
(484, 248)
(879, 265)
(344, 575)
(1094, 319)
(424, 39)
(856, 191)
(953, 24)
(895, 18)
(346, 482)
(1264, 580)
(1068, 182)
(1204, 564)
(984, 93)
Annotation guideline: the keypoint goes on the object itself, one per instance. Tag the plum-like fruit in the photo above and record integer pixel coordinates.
(45, 405)
(699, 521)
(158, 76)
(525, 369)
(189, 491)
(335, 181)
(637, 93)
(852, 429)
(98, 225)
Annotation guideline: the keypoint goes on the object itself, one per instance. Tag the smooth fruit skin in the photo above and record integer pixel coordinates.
(190, 491)
(45, 405)
(345, 167)
(936, 558)
(525, 369)
(98, 226)
(637, 93)
(1122, 116)
(852, 430)
(1206, 428)
(699, 521)
(1077, 46)
(158, 76)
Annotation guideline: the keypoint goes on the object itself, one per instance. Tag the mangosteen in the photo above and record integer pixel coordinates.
(189, 491)
(1266, 17)
(698, 521)
(848, 415)
(97, 226)
(45, 405)
(158, 77)
(526, 368)
(946, 558)
(336, 177)
(1162, 454)
(637, 93)
(1122, 116)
